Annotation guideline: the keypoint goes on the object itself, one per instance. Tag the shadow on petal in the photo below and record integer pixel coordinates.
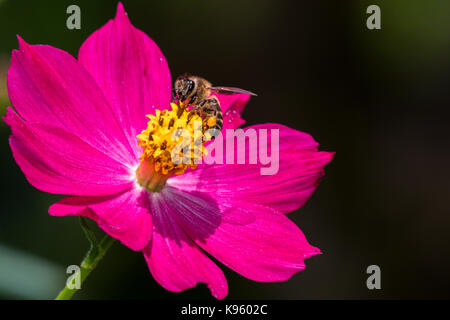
(172, 203)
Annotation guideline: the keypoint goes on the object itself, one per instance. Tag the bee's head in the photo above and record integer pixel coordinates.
(183, 88)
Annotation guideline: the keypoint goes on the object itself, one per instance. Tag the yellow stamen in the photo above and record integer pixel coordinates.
(171, 143)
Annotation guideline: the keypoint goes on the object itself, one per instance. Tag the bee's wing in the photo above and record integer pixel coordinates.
(230, 90)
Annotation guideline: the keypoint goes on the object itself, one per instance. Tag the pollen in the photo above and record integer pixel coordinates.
(211, 122)
(171, 143)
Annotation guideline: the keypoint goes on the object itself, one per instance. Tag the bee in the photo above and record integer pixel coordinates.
(196, 91)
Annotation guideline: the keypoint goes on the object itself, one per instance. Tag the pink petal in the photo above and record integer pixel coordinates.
(232, 106)
(300, 169)
(123, 216)
(130, 69)
(48, 86)
(267, 248)
(174, 260)
(56, 161)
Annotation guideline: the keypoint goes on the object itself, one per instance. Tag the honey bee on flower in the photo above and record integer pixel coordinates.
(100, 128)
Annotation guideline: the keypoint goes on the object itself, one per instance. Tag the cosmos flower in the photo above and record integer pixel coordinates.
(96, 129)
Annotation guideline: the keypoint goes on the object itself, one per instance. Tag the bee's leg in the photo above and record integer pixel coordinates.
(193, 99)
(174, 98)
(195, 108)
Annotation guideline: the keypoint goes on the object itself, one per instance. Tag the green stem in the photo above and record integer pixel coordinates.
(93, 257)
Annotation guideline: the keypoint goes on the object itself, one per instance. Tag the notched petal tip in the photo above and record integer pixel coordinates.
(218, 294)
(22, 43)
(121, 13)
(314, 251)
(12, 118)
(324, 157)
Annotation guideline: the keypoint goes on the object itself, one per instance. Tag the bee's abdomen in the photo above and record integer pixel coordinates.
(219, 121)
(211, 108)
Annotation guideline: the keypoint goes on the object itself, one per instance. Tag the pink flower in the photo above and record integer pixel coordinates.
(74, 128)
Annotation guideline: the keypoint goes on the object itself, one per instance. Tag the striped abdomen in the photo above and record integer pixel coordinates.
(210, 108)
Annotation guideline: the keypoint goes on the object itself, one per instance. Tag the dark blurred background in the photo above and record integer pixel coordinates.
(379, 98)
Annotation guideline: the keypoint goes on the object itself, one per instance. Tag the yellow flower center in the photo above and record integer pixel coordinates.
(171, 143)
